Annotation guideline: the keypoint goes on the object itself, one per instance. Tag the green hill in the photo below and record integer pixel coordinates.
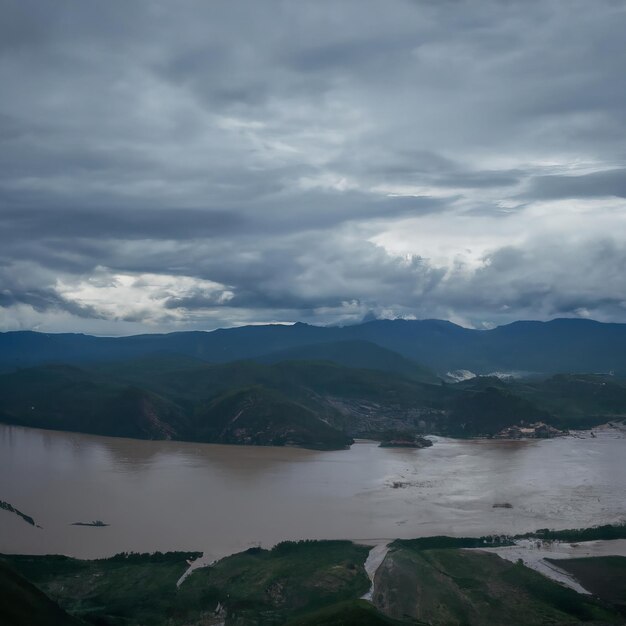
(489, 410)
(317, 404)
(68, 398)
(577, 400)
(305, 583)
(200, 405)
(261, 416)
(22, 604)
(255, 587)
(455, 587)
(357, 354)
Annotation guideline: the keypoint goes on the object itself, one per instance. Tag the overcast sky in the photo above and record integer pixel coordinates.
(194, 164)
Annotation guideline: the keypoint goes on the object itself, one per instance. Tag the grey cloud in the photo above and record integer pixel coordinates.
(481, 179)
(193, 301)
(304, 272)
(265, 145)
(596, 185)
(128, 225)
(312, 210)
(27, 285)
(415, 167)
(547, 278)
(340, 278)
(43, 300)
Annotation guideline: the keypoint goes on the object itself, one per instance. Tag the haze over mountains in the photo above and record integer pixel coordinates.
(561, 345)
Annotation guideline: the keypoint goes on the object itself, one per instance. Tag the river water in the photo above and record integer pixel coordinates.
(220, 499)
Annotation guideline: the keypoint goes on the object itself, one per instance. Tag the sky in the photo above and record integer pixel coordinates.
(170, 166)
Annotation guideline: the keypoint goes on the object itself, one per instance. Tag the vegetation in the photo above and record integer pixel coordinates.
(443, 542)
(261, 416)
(69, 398)
(430, 580)
(604, 576)
(197, 405)
(316, 403)
(353, 613)
(594, 533)
(125, 589)
(254, 587)
(454, 587)
(293, 403)
(487, 411)
(356, 354)
(22, 604)
(294, 578)
(577, 400)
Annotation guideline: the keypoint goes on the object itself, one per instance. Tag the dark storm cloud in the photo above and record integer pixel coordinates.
(247, 160)
(18, 291)
(310, 211)
(42, 300)
(106, 223)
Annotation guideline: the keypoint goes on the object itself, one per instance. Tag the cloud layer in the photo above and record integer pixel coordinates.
(193, 165)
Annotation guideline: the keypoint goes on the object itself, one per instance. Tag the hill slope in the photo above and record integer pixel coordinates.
(317, 404)
(449, 586)
(22, 604)
(313, 583)
(356, 353)
(226, 405)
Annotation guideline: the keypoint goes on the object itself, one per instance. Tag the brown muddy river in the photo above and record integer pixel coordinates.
(221, 499)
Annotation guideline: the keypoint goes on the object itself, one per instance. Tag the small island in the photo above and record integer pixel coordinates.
(406, 441)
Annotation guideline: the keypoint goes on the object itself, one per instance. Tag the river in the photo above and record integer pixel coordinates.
(159, 495)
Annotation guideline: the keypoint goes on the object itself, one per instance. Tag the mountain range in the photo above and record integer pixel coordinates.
(561, 345)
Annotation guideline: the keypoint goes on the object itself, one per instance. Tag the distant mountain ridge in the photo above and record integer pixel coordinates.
(560, 345)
